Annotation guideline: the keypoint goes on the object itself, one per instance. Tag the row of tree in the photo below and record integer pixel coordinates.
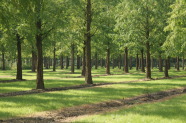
(92, 29)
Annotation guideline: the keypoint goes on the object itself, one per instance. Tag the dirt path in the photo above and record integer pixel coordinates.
(35, 91)
(69, 114)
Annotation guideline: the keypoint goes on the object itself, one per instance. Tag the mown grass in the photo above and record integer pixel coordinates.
(169, 111)
(63, 78)
(28, 104)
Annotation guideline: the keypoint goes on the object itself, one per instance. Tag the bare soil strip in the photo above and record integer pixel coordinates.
(67, 114)
(35, 91)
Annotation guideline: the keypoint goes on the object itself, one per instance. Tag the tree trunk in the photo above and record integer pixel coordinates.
(178, 64)
(142, 61)
(160, 63)
(108, 61)
(83, 61)
(96, 60)
(102, 62)
(148, 61)
(67, 62)
(126, 64)
(119, 61)
(166, 69)
(54, 58)
(137, 62)
(61, 62)
(130, 63)
(183, 63)
(40, 81)
(78, 62)
(72, 58)
(3, 61)
(19, 59)
(88, 76)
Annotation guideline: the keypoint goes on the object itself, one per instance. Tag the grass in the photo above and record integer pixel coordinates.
(28, 104)
(59, 78)
(169, 111)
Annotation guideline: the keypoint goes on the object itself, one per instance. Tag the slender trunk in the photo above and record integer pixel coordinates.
(19, 59)
(67, 62)
(183, 63)
(40, 81)
(72, 58)
(126, 64)
(137, 62)
(148, 61)
(78, 62)
(61, 62)
(119, 61)
(178, 64)
(160, 63)
(96, 60)
(102, 62)
(83, 61)
(47, 63)
(131, 63)
(54, 58)
(3, 61)
(166, 69)
(34, 60)
(88, 76)
(142, 61)
(108, 61)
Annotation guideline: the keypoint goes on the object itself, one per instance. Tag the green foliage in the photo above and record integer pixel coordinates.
(175, 43)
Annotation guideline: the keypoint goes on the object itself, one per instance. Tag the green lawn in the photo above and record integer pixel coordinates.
(169, 111)
(62, 78)
(28, 104)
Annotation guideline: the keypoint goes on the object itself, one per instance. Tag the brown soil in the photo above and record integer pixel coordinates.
(69, 114)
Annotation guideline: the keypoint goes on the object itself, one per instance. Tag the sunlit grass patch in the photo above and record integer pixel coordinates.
(169, 111)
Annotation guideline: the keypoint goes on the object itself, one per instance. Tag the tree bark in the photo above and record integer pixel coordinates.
(166, 69)
(34, 60)
(67, 62)
(126, 64)
(148, 61)
(142, 61)
(54, 58)
(137, 62)
(72, 58)
(119, 61)
(88, 76)
(160, 63)
(108, 61)
(78, 62)
(83, 61)
(19, 58)
(183, 63)
(177, 64)
(3, 61)
(40, 81)
(130, 63)
(96, 60)
(61, 62)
